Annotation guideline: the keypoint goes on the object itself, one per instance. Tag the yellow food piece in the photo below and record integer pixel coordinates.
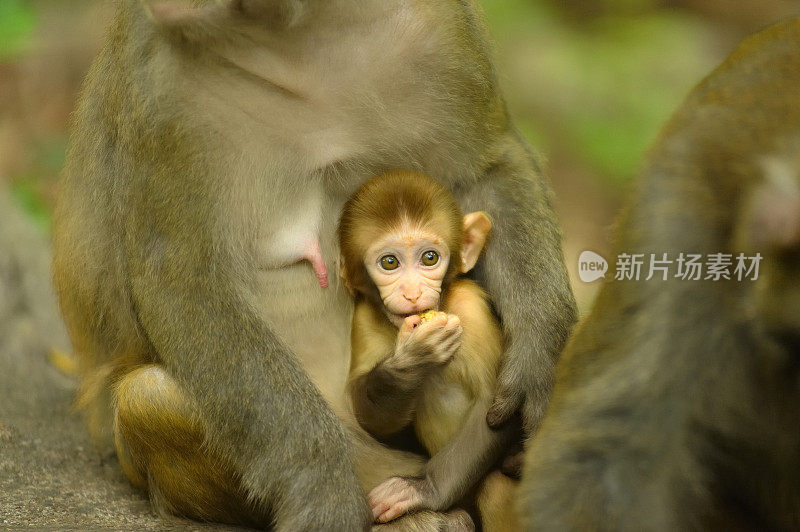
(427, 315)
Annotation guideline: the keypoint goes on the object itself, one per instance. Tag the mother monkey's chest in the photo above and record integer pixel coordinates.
(340, 98)
(333, 108)
(312, 317)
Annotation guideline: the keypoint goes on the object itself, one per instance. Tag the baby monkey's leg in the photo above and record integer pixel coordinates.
(453, 521)
(450, 474)
(496, 500)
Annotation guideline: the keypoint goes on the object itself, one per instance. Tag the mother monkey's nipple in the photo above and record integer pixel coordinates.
(313, 254)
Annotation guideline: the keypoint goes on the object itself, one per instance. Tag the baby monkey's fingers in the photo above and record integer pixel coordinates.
(452, 330)
(453, 322)
(393, 498)
(453, 344)
(431, 328)
(408, 326)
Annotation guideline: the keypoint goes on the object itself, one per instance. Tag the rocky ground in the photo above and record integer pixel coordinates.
(51, 476)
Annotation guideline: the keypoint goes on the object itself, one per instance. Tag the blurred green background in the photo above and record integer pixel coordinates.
(589, 82)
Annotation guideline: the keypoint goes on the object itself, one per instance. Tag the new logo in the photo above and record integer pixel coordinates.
(591, 266)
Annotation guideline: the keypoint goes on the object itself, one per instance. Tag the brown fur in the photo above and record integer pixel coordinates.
(160, 439)
(496, 500)
(377, 208)
(441, 405)
(677, 404)
(437, 418)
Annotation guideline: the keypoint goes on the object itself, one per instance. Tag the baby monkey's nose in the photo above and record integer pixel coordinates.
(412, 295)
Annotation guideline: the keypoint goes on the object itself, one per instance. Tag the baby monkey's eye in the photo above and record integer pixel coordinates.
(389, 262)
(430, 258)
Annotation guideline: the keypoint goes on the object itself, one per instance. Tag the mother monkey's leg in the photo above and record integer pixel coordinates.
(160, 442)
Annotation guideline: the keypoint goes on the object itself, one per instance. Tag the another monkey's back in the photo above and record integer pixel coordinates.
(675, 409)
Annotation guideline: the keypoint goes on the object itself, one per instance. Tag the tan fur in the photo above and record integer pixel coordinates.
(65, 362)
(160, 442)
(376, 209)
(373, 338)
(427, 521)
(496, 501)
(444, 403)
(447, 395)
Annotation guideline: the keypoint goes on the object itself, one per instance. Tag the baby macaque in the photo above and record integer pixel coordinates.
(426, 346)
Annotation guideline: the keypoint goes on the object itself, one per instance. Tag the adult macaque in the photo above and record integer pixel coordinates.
(677, 405)
(426, 347)
(212, 150)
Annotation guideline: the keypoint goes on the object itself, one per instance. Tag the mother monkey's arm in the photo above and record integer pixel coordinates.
(146, 213)
(524, 272)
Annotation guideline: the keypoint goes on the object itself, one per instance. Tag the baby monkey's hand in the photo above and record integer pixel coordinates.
(398, 496)
(425, 342)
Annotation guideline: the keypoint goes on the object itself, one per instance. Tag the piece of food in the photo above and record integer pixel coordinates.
(428, 315)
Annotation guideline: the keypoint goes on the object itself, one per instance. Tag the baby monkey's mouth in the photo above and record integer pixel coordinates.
(424, 316)
(417, 313)
(399, 317)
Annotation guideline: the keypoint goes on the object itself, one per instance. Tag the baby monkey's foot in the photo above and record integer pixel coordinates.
(399, 495)
(459, 520)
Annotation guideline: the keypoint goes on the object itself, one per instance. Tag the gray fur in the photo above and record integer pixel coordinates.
(196, 146)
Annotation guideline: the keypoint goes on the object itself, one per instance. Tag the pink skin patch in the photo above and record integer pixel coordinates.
(313, 254)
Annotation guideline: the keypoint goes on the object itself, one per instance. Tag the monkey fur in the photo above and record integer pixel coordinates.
(445, 399)
(212, 143)
(677, 403)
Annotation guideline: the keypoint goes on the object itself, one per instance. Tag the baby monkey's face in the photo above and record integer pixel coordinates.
(408, 267)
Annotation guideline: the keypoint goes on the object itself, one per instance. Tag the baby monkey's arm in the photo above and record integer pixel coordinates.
(388, 367)
(473, 448)
(451, 473)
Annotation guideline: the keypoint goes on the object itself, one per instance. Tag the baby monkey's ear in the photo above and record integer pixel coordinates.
(476, 229)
